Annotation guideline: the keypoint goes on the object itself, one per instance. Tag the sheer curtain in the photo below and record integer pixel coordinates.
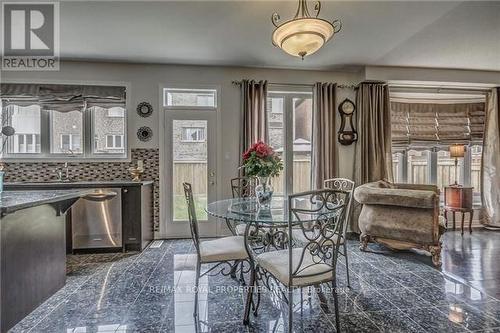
(324, 140)
(490, 171)
(253, 113)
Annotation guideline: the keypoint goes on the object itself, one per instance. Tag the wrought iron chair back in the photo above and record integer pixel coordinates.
(193, 221)
(243, 187)
(325, 216)
(342, 184)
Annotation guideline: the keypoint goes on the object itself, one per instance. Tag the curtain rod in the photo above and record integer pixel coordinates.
(341, 86)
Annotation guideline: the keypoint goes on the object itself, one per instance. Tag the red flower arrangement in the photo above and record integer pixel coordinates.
(262, 161)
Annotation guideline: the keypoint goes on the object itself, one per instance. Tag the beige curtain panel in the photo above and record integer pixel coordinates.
(324, 141)
(490, 172)
(253, 113)
(373, 159)
(373, 149)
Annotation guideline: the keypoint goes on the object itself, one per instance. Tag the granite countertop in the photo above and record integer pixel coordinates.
(74, 184)
(12, 201)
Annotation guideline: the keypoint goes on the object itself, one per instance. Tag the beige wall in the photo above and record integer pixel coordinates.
(145, 82)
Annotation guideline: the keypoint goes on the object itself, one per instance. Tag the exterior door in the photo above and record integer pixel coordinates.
(191, 157)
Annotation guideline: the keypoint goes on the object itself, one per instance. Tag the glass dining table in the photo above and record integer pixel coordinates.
(248, 211)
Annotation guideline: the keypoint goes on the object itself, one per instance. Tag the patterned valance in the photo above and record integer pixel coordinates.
(439, 125)
(60, 97)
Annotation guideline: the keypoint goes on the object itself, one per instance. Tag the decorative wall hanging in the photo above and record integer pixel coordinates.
(347, 134)
(304, 34)
(145, 133)
(144, 109)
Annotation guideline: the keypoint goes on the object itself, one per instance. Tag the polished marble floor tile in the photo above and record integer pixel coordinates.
(390, 291)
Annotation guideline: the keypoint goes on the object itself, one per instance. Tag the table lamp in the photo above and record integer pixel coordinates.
(456, 151)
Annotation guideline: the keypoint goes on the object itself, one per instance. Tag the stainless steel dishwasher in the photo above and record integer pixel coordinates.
(96, 220)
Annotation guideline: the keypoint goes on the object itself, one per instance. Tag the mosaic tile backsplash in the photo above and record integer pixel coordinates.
(92, 171)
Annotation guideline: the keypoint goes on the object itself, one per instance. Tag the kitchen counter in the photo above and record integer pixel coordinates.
(12, 201)
(74, 184)
(33, 249)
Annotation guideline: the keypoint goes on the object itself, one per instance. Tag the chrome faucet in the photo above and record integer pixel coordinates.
(63, 173)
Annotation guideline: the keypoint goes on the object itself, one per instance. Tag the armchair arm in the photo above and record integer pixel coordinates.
(423, 187)
(368, 195)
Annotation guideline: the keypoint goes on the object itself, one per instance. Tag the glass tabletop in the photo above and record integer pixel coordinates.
(247, 210)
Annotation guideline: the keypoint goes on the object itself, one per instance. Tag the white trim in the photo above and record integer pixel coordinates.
(165, 142)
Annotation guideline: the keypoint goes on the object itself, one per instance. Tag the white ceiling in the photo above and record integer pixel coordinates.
(440, 34)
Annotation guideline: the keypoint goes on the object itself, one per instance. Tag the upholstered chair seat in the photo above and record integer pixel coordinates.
(312, 268)
(223, 249)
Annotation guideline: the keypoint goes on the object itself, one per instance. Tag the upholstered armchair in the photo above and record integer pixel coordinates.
(400, 216)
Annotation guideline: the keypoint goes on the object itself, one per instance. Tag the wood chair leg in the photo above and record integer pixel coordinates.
(454, 221)
(445, 213)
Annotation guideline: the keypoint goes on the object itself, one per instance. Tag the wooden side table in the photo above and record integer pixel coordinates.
(458, 199)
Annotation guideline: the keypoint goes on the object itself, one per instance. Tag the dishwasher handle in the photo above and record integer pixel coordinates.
(100, 196)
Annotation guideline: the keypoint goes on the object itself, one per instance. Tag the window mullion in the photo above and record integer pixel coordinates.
(433, 162)
(45, 132)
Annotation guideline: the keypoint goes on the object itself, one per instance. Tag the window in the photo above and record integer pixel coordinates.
(114, 141)
(116, 112)
(109, 132)
(66, 132)
(64, 120)
(193, 134)
(289, 115)
(70, 143)
(27, 123)
(421, 136)
(199, 98)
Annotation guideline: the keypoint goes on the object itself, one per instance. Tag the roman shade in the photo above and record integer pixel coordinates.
(421, 125)
(62, 98)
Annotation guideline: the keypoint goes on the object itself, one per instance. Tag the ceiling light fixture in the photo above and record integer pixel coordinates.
(304, 34)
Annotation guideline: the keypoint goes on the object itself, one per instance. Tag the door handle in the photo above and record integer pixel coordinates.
(212, 182)
(212, 174)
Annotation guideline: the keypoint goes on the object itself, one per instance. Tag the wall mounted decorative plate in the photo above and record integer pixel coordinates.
(347, 133)
(144, 133)
(144, 109)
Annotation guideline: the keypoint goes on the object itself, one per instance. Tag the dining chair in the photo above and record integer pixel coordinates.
(320, 216)
(342, 184)
(224, 252)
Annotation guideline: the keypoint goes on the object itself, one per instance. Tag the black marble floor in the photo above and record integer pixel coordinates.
(152, 292)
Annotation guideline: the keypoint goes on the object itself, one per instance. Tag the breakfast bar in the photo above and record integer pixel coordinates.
(33, 249)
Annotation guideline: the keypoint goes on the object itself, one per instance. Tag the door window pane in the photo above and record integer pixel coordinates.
(204, 98)
(66, 132)
(193, 134)
(302, 126)
(276, 132)
(26, 122)
(189, 165)
(106, 129)
(418, 166)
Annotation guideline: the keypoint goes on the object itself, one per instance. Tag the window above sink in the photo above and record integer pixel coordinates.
(64, 122)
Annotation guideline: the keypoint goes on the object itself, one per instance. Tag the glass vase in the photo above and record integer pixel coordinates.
(264, 192)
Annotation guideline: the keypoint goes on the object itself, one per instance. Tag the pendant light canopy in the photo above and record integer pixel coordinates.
(304, 34)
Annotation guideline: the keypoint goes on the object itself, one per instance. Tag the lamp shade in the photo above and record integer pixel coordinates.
(301, 37)
(457, 150)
